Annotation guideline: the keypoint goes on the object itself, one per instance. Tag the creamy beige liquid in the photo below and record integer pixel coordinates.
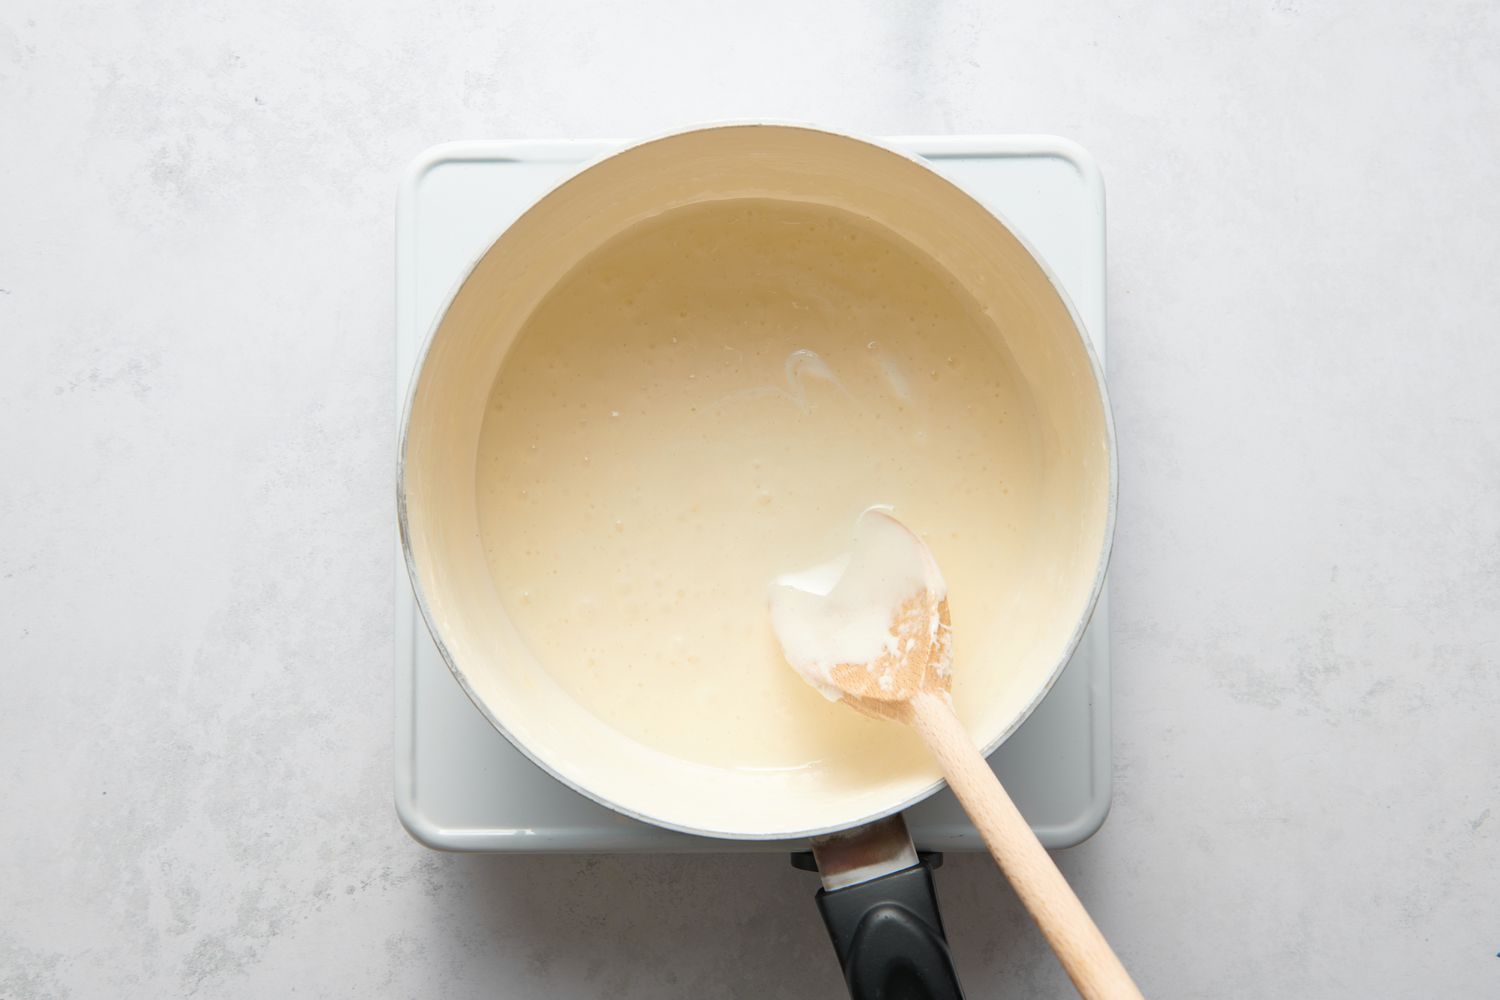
(711, 400)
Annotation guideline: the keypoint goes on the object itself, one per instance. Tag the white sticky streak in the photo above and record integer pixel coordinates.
(894, 376)
(800, 366)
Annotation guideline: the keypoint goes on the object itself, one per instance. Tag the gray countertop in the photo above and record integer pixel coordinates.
(196, 552)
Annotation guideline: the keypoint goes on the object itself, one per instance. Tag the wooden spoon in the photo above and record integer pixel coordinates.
(909, 682)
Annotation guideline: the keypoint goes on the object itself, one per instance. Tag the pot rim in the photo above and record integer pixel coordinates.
(1079, 158)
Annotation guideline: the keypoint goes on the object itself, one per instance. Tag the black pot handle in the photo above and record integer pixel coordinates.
(889, 937)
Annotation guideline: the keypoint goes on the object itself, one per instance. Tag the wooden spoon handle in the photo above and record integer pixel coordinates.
(1082, 950)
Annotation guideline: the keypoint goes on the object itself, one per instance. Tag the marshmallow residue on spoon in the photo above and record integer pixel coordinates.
(840, 612)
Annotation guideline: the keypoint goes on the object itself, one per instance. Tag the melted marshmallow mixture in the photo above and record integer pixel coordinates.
(707, 403)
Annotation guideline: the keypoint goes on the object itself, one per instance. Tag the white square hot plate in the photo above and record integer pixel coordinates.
(460, 785)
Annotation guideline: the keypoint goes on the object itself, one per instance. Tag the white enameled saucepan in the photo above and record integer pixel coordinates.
(1057, 581)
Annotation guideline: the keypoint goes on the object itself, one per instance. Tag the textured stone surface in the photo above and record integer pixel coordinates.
(195, 558)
